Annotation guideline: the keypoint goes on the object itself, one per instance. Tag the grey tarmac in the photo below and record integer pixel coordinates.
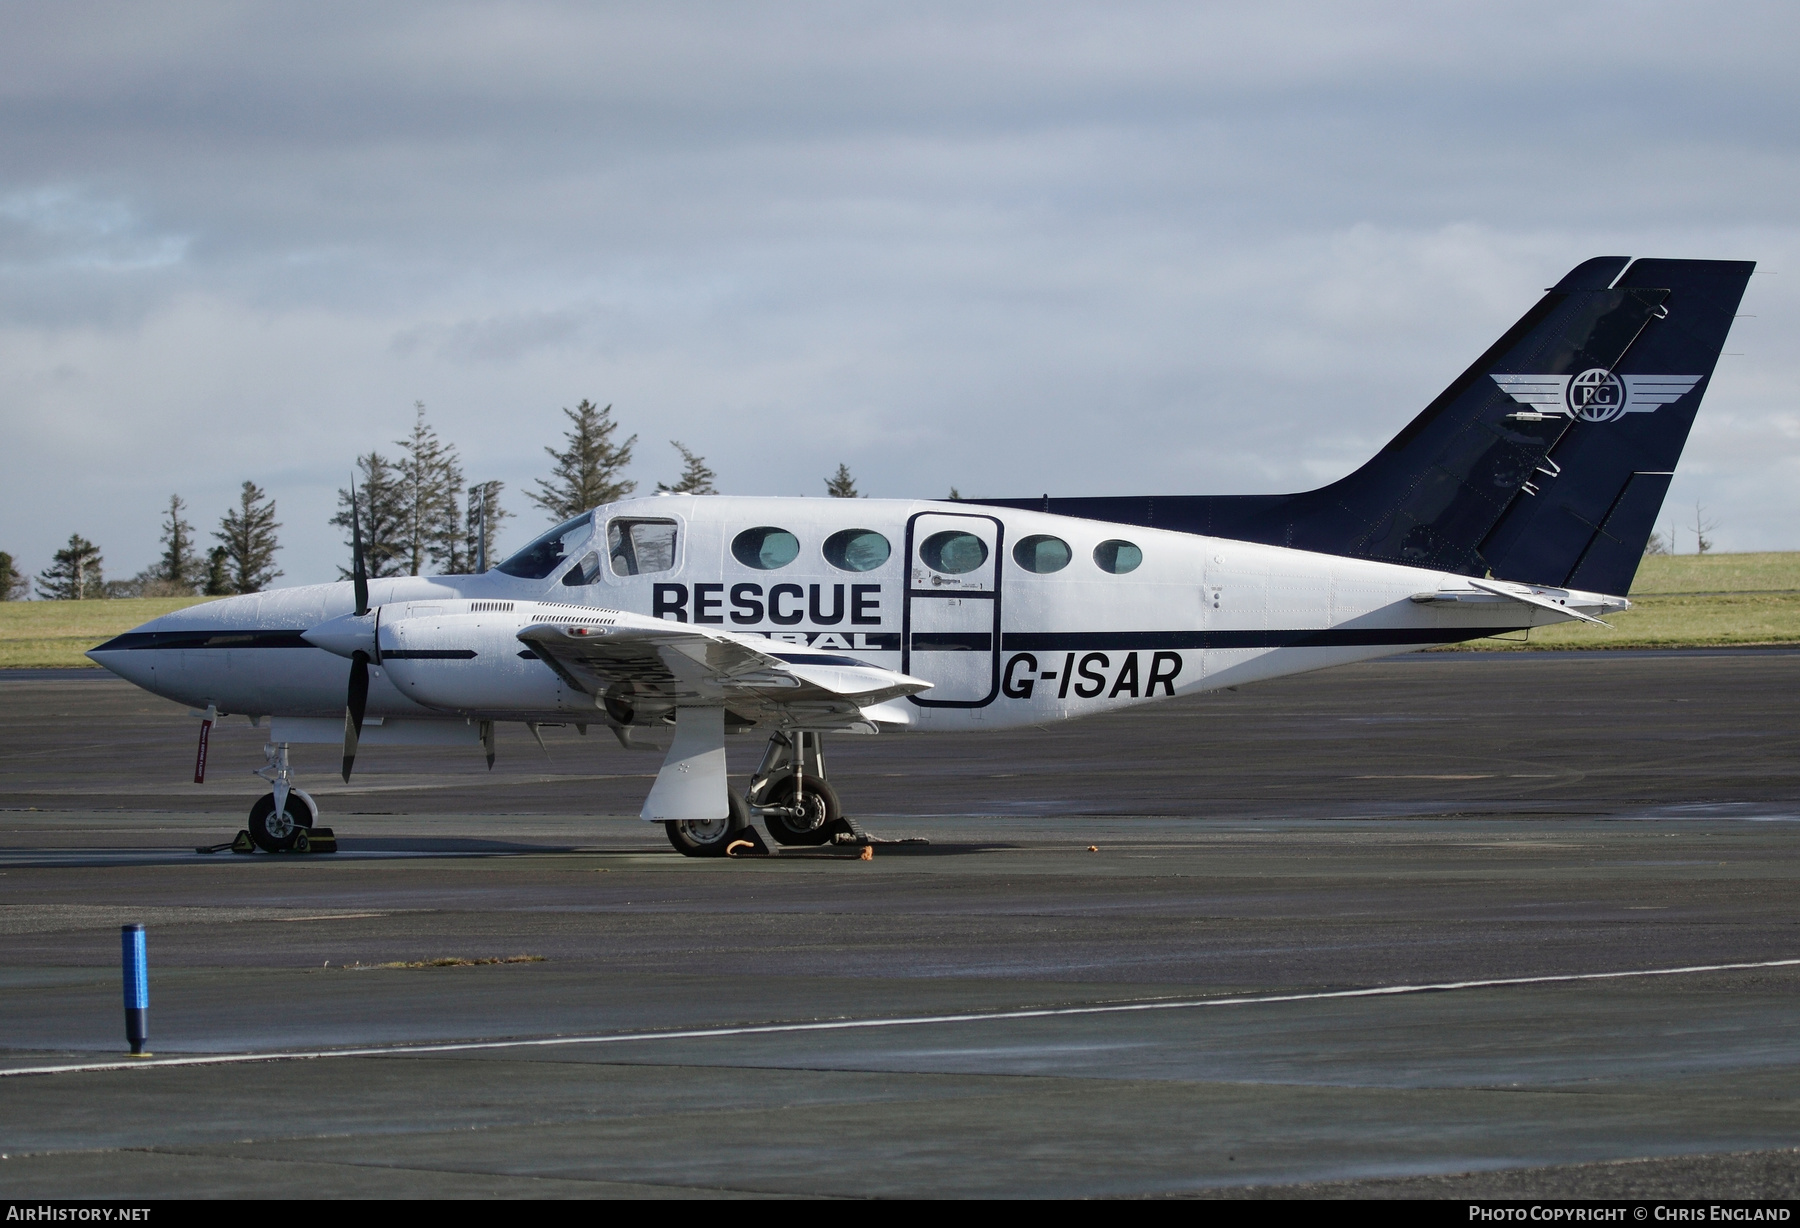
(1443, 818)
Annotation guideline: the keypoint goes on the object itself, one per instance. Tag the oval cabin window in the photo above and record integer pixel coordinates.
(1042, 554)
(1117, 557)
(765, 548)
(953, 553)
(857, 550)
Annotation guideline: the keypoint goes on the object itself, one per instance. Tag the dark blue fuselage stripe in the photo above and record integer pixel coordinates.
(203, 639)
(1331, 637)
(1011, 641)
(952, 641)
(211, 640)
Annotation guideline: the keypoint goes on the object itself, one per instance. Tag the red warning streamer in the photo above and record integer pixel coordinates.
(200, 754)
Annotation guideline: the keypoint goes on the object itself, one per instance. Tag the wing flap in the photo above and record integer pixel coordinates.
(678, 664)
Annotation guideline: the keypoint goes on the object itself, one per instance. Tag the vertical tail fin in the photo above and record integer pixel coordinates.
(1619, 431)
(1545, 462)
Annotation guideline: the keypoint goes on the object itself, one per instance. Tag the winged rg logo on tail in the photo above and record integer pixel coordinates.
(1521, 496)
(1596, 395)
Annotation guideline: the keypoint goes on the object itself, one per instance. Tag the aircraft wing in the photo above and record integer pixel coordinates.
(665, 665)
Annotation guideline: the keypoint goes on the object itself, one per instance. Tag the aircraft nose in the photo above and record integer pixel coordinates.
(116, 655)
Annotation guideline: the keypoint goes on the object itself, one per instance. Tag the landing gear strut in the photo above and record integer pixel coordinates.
(281, 819)
(789, 789)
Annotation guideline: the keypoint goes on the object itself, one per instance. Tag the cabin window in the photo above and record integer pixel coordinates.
(640, 547)
(585, 572)
(1042, 554)
(548, 552)
(765, 548)
(857, 550)
(953, 553)
(1117, 557)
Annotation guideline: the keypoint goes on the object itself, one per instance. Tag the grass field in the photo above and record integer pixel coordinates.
(1690, 601)
(1687, 601)
(54, 634)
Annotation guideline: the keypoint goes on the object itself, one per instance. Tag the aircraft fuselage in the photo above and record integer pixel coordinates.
(1016, 617)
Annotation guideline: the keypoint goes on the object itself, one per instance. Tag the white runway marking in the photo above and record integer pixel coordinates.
(903, 1021)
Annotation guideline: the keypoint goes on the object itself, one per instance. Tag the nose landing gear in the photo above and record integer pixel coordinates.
(282, 820)
(279, 831)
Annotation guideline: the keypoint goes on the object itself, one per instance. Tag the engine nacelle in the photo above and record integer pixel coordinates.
(465, 656)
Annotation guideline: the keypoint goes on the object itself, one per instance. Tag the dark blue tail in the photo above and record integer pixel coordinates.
(1546, 462)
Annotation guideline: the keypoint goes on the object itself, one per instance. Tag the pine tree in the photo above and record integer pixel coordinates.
(430, 483)
(179, 569)
(380, 505)
(218, 573)
(75, 573)
(587, 472)
(695, 479)
(247, 533)
(13, 585)
(841, 485)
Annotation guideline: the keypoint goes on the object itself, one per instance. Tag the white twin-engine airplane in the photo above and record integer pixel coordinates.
(1522, 496)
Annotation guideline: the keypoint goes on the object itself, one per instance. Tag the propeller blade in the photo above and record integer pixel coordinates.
(359, 573)
(354, 708)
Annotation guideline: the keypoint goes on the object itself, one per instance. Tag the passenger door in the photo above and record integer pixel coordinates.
(951, 627)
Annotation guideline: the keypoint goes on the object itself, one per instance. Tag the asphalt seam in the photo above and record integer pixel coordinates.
(846, 1025)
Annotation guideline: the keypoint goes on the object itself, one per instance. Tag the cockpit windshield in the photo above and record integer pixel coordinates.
(548, 552)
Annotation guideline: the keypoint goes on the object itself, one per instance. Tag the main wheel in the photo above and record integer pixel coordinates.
(709, 837)
(817, 821)
(276, 833)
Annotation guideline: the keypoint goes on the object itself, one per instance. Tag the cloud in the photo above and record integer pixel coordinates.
(1071, 248)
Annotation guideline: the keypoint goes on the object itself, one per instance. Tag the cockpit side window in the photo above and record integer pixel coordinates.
(641, 547)
(548, 552)
(585, 572)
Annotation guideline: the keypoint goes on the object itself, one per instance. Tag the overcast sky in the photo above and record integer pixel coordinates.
(1084, 249)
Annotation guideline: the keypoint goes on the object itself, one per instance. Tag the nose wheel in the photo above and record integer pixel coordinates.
(278, 831)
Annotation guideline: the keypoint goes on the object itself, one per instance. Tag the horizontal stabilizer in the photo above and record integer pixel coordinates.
(1527, 597)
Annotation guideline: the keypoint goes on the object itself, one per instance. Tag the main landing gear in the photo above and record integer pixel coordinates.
(713, 837)
(789, 791)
